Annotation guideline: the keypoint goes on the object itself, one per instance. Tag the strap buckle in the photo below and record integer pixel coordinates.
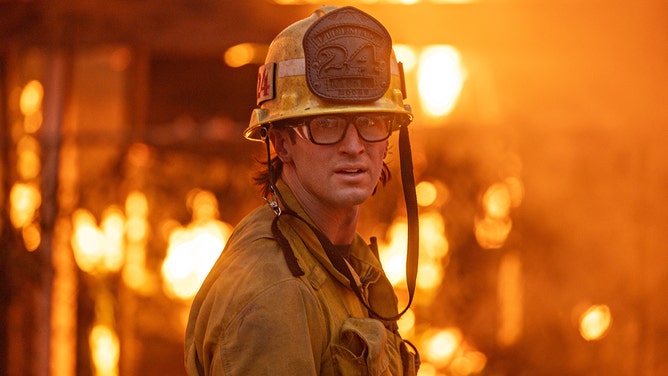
(270, 199)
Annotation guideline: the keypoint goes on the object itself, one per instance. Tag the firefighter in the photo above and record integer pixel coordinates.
(297, 291)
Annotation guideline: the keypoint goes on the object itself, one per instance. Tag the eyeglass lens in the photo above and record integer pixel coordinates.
(331, 129)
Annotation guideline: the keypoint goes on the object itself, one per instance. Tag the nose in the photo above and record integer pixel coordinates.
(351, 142)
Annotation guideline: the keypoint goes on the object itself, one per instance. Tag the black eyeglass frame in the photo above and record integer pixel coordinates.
(393, 121)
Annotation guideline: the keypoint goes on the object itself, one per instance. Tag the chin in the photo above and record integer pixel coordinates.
(353, 197)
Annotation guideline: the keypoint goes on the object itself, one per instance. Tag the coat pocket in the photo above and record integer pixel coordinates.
(363, 348)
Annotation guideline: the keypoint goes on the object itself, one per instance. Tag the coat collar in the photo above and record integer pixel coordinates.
(362, 259)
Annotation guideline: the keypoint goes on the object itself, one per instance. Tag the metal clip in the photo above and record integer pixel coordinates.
(273, 203)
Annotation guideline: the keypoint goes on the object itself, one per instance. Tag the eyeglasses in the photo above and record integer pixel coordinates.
(331, 129)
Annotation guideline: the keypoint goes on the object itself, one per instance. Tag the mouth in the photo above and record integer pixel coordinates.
(350, 170)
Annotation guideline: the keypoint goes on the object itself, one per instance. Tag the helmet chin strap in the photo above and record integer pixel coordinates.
(410, 198)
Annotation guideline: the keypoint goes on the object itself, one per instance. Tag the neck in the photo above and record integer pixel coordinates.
(339, 224)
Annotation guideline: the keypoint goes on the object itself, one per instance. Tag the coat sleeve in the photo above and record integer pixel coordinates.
(279, 332)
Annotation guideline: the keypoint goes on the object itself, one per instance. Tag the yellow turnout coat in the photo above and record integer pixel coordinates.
(252, 316)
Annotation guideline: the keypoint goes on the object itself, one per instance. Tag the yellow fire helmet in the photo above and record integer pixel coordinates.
(338, 60)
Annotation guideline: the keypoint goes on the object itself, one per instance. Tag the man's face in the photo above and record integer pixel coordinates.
(339, 176)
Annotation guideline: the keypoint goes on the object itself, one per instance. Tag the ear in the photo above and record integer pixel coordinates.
(282, 145)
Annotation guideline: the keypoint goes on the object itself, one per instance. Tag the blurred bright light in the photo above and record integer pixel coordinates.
(433, 247)
(85, 240)
(406, 55)
(426, 193)
(105, 350)
(430, 276)
(135, 274)
(113, 230)
(136, 209)
(446, 350)
(28, 164)
(393, 254)
(428, 369)
(516, 190)
(194, 249)
(191, 254)
(98, 249)
(136, 204)
(510, 299)
(491, 233)
(468, 363)
(496, 201)
(405, 2)
(439, 347)
(440, 79)
(203, 204)
(595, 322)
(33, 122)
(433, 242)
(31, 98)
(24, 199)
(493, 227)
(245, 53)
(137, 229)
(32, 236)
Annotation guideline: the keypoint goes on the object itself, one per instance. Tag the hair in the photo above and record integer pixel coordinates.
(262, 178)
